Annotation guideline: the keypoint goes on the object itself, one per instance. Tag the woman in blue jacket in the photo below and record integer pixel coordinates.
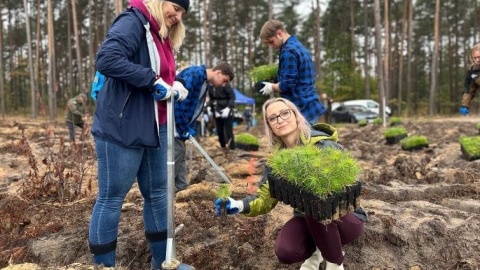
(130, 122)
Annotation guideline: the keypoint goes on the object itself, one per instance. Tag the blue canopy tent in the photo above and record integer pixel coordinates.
(242, 99)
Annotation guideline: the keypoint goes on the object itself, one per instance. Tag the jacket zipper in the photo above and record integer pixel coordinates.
(125, 104)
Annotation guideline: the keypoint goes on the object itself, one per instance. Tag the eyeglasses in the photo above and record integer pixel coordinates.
(284, 114)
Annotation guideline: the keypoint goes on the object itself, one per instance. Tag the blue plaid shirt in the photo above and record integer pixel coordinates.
(296, 75)
(194, 77)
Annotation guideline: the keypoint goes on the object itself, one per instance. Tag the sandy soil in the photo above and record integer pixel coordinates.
(423, 206)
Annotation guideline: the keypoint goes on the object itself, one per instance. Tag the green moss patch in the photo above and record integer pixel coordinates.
(394, 134)
(362, 123)
(414, 143)
(320, 171)
(247, 138)
(264, 73)
(223, 191)
(395, 121)
(395, 131)
(470, 147)
(377, 121)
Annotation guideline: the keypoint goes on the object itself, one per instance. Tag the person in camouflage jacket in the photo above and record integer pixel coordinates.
(74, 113)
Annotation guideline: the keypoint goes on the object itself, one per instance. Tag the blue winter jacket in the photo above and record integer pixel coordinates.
(125, 112)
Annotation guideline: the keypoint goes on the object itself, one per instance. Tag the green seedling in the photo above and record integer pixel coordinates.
(414, 142)
(395, 121)
(377, 121)
(362, 123)
(470, 145)
(247, 138)
(223, 192)
(264, 73)
(394, 132)
(320, 171)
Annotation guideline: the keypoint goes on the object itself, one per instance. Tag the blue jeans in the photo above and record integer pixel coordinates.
(117, 169)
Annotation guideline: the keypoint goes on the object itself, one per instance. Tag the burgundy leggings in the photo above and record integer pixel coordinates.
(296, 241)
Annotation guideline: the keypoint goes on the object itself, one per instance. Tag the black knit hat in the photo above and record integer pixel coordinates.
(183, 3)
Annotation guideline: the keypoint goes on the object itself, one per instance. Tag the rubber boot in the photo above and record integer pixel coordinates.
(313, 263)
(333, 266)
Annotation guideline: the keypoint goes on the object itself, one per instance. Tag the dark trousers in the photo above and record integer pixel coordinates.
(297, 240)
(181, 181)
(225, 131)
(71, 130)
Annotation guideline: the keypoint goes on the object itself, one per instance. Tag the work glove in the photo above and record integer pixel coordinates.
(161, 90)
(464, 110)
(267, 89)
(180, 90)
(230, 205)
(225, 112)
(186, 135)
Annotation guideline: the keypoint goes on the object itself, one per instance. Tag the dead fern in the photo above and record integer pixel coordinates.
(62, 172)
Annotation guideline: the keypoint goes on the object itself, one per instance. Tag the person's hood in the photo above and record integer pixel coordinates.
(321, 131)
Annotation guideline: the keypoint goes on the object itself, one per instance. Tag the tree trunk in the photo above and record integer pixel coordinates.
(30, 61)
(316, 41)
(352, 34)
(270, 16)
(2, 88)
(91, 41)
(206, 30)
(118, 6)
(409, 57)
(400, 56)
(38, 96)
(70, 78)
(366, 50)
(387, 49)
(436, 44)
(51, 64)
(380, 67)
(80, 78)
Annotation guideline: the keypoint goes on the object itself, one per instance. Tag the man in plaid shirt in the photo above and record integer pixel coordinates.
(296, 72)
(195, 80)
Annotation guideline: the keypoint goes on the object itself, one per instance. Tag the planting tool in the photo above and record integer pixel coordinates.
(214, 165)
(170, 261)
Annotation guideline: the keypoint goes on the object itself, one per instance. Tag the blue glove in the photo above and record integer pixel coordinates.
(231, 206)
(186, 134)
(161, 90)
(464, 110)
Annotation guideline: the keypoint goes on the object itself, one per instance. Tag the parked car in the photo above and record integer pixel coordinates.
(352, 114)
(370, 104)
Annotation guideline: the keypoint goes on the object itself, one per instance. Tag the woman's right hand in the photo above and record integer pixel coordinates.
(229, 205)
(161, 90)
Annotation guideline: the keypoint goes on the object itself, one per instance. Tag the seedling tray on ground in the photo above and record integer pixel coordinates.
(395, 139)
(469, 157)
(416, 147)
(329, 208)
(247, 147)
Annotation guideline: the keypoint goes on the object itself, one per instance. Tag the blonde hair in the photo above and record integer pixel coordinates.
(302, 124)
(176, 33)
(269, 29)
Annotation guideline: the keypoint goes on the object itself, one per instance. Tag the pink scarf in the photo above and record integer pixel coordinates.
(167, 60)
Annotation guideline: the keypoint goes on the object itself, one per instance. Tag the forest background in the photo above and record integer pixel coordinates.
(412, 54)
